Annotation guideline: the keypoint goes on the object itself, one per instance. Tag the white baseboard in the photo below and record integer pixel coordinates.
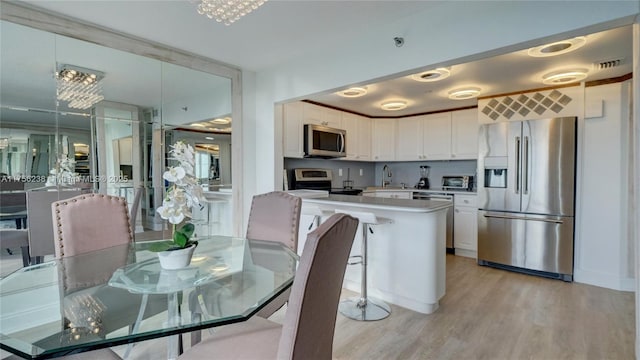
(604, 280)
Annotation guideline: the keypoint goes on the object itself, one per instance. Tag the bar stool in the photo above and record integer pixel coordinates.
(364, 308)
(317, 214)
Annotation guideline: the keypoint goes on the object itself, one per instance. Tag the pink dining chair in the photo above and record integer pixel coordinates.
(275, 216)
(85, 223)
(309, 324)
(90, 222)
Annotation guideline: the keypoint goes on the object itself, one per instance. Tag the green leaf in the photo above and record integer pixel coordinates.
(161, 246)
(182, 235)
(180, 239)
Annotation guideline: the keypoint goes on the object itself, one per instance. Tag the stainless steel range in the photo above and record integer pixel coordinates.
(318, 179)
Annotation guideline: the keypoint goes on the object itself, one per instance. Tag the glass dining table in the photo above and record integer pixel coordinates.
(121, 295)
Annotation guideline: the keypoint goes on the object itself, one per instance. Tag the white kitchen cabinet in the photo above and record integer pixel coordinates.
(358, 137)
(465, 225)
(464, 134)
(320, 115)
(383, 143)
(409, 139)
(436, 135)
(292, 130)
(390, 194)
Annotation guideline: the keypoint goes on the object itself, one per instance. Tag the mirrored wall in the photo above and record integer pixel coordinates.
(73, 112)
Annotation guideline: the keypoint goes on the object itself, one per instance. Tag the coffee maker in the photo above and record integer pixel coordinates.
(423, 183)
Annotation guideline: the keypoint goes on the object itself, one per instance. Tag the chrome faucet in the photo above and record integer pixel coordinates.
(386, 172)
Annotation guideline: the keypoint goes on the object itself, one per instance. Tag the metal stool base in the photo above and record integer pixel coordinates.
(373, 309)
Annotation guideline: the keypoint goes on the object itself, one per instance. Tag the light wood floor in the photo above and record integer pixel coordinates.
(486, 314)
(494, 314)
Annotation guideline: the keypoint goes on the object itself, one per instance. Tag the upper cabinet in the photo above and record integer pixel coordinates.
(449, 135)
(464, 134)
(358, 137)
(442, 136)
(292, 130)
(319, 115)
(436, 135)
(383, 141)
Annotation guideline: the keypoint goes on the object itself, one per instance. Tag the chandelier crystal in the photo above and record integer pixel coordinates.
(228, 11)
(80, 88)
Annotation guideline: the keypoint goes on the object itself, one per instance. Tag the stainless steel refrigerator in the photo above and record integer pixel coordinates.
(526, 191)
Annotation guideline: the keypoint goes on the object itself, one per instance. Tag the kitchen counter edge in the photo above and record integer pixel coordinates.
(406, 205)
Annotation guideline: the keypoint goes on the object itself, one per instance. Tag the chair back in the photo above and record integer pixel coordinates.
(309, 324)
(90, 222)
(39, 214)
(275, 216)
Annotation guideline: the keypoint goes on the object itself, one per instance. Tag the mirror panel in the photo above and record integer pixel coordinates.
(119, 142)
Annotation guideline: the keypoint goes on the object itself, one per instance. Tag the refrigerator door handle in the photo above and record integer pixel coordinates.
(525, 167)
(524, 218)
(517, 165)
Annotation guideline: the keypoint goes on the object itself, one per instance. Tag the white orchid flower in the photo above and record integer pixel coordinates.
(174, 174)
(185, 192)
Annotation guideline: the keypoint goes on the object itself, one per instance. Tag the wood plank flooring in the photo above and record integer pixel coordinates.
(495, 314)
(486, 314)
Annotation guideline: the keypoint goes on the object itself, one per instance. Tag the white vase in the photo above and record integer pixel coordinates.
(176, 259)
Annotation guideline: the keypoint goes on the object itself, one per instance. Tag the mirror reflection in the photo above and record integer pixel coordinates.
(76, 113)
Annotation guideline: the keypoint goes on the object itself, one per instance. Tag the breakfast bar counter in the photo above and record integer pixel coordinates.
(406, 257)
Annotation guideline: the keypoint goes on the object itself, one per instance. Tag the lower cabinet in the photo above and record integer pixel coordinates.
(465, 225)
(391, 194)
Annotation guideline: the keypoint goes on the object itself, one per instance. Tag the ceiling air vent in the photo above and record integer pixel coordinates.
(607, 64)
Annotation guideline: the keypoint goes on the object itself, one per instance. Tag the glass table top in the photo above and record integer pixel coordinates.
(92, 300)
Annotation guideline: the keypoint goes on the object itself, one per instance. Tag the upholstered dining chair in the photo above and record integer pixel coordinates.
(274, 216)
(90, 222)
(309, 324)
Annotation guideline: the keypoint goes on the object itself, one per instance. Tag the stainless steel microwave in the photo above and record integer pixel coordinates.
(324, 142)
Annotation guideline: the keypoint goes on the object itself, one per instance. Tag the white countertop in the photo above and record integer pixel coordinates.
(406, 205)
(307, 194)
(371, 189)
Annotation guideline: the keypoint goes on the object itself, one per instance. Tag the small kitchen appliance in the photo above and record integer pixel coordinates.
(457, 182)
(423, 183)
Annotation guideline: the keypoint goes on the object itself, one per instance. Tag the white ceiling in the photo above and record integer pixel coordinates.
(280, 31)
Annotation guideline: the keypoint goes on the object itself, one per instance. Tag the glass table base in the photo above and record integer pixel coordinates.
(368, 310)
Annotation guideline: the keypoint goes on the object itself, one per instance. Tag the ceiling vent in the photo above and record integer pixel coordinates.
(607, 64)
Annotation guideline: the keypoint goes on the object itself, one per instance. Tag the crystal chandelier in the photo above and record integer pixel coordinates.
(81, 88)
(227, 11)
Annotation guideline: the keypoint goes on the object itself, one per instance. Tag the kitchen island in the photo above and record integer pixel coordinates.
(406, 257)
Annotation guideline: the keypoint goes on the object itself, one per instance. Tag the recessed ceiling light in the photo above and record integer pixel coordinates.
(432, 75)
(393, 105)
(353, 92)
(464, 93)
(222, 121)
(564, 76)
(208, 138)
(558, 47)
(197, 125)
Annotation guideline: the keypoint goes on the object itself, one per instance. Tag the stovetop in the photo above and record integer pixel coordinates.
(342, 191)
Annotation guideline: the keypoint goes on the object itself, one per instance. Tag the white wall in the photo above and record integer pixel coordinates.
(602, 243)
